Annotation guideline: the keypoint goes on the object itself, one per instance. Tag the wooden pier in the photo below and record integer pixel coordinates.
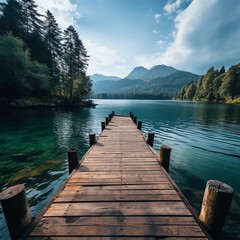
(119, 191)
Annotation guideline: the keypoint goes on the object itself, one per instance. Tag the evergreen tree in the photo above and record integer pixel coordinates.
(190, 92)
(230, 87)
(206, 90)
(222, 70)
(11, 19)
(75, 57)
(31, 17)
(52, 38)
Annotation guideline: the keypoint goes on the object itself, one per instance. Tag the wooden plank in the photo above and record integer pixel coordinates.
(118, 208)
(120, 231)
(166, 185)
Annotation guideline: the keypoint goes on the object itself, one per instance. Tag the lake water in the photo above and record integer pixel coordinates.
(205, 141)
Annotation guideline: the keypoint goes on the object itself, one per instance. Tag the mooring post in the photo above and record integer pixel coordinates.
(103, 125)
(135, 120)
(92, 139)
(107, 121)
(139, 125)
(113, 113)
(110, 117)
(165, 153)
(72, 159)
(150, 138)
(215, 205)
(16, 210)
(130, 114)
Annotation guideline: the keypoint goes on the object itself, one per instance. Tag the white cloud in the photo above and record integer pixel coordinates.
(155, 31)
(161, 43)
(157, 17)
(104, 60)
(207, 34)
(172, 7)
(64, 11)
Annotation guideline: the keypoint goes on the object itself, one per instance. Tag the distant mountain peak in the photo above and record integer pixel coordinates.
(100, 77)
(137, 73)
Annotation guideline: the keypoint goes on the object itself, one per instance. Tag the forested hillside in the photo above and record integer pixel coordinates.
(37, 58)
(214, 86)
(157, 88)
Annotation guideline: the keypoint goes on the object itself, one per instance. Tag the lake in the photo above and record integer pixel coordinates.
(205, 141)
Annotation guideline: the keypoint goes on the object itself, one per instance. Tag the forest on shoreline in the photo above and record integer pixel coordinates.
(214, 86)
(37, 59)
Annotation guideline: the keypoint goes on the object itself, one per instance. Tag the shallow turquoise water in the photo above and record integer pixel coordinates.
(205, 141)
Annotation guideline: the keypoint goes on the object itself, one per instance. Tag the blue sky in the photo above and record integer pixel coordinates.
(190, 35)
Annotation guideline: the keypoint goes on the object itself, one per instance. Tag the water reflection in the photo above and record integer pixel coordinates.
(205, 141)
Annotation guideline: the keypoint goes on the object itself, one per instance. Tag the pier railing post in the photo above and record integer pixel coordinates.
(103, 125)
(215, 205)
(150, 138)
(135, 120)
(16, 210)
(72, 159)
(165, 153)
(92, 139)
(107, 121)
(139, 125)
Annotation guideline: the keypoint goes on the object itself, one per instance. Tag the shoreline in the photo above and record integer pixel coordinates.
(25, 104)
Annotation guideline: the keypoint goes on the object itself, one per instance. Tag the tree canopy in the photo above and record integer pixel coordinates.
(214, 86)
(37, 57)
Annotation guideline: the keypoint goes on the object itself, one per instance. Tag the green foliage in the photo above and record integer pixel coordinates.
(19, 75)
(41, 61)
(214, 86)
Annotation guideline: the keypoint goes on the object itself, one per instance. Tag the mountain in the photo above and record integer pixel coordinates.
(142, 73)
(158, 71)
(99, 77)
(166, 86)
(137, 73)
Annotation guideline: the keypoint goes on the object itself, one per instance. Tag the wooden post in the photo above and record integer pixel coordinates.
(110, 117)
(113, 113)
(140, 125)
(215, 205)
(150, 138)
(135, 120)
(130, 114)
(72, 159)
(132, 117)
(16, 210)
(165, 153)
(107, 121)
(92, 139)
(103, 125)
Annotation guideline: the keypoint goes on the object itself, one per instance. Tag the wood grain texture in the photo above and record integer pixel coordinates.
(119, 192)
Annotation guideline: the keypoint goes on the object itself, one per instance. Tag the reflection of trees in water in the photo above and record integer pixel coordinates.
(71, 128)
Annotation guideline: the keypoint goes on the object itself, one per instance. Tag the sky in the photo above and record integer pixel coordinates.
(190, 35)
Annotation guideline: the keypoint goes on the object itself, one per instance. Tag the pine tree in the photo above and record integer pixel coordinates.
(52, 38)
(11, 19)
(31, 17)
(75, 57)
(230, 87)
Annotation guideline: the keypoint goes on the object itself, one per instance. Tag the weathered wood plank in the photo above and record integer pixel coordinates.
(120, 231)
(118, 208)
